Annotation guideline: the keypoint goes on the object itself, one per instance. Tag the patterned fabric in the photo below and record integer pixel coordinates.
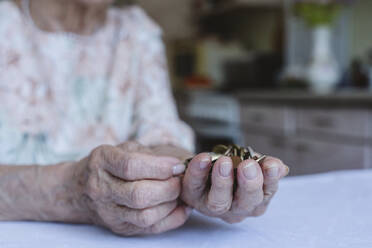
(61, 96)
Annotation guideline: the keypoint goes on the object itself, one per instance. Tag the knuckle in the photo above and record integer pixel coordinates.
(222, 185)
(218, 208)
(145, 218)
(100, 149)
(254, 186)
(129, 166)
(97, 155)
(98, 190)
(140, 197)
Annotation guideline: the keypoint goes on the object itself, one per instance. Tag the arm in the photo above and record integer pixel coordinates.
(41, 193)
(125, 189)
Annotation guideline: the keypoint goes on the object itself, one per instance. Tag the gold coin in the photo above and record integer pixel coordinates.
(219, 149)
(236, 161)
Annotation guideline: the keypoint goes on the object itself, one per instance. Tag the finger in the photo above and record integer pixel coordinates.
(130, 146)
(221, 193)
(114, 214)
(249, 193)
(273, 170)
(134, 146)
(127, 229)
(176, 219)
(149, 216)
(233, 219)
(138, 166)
(196, 176)
(284, 171)
(146, 193)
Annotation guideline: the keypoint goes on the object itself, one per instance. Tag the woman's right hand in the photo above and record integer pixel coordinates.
(131, 191)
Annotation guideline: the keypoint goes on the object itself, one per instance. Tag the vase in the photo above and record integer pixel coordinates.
(323, 72)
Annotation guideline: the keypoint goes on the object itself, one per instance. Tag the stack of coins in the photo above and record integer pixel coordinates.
(235, 152)
(237, 155)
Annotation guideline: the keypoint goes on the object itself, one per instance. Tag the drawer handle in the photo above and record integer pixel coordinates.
(323, 122)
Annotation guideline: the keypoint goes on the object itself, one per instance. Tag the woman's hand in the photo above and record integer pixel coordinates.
(130, 191)
(256, 187)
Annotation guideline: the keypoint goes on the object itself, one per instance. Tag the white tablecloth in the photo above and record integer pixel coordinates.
(327, 210)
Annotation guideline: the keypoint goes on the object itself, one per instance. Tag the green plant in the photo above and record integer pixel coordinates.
(317, 14)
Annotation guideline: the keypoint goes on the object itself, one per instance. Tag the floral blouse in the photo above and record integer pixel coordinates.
(63, 95)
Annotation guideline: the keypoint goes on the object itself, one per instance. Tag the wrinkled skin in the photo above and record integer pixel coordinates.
(257, 184)
(130, 191)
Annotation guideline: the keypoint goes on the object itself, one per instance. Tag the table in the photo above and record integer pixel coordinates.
(324, 210)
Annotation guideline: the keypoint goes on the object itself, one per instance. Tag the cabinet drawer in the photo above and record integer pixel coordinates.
(305, 156)
(316, 156)
(263, 117)
(334, 122)
(276, 146)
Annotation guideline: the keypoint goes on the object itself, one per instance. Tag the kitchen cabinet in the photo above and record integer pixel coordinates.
(316, 156)
(312, 134)
(260, 117)
(352, 123)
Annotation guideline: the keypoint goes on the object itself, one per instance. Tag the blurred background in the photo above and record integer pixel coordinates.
(290, 78)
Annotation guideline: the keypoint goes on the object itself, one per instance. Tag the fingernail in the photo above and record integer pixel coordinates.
(178, 169)
(188, 211)
(250, 171)
(272, 171)
(286, 170)
(225, 169)
(204, 163)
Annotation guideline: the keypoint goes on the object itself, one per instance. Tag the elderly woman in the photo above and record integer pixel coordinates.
(76, 74)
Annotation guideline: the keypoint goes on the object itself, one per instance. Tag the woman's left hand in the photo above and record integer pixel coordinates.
(256, 185)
